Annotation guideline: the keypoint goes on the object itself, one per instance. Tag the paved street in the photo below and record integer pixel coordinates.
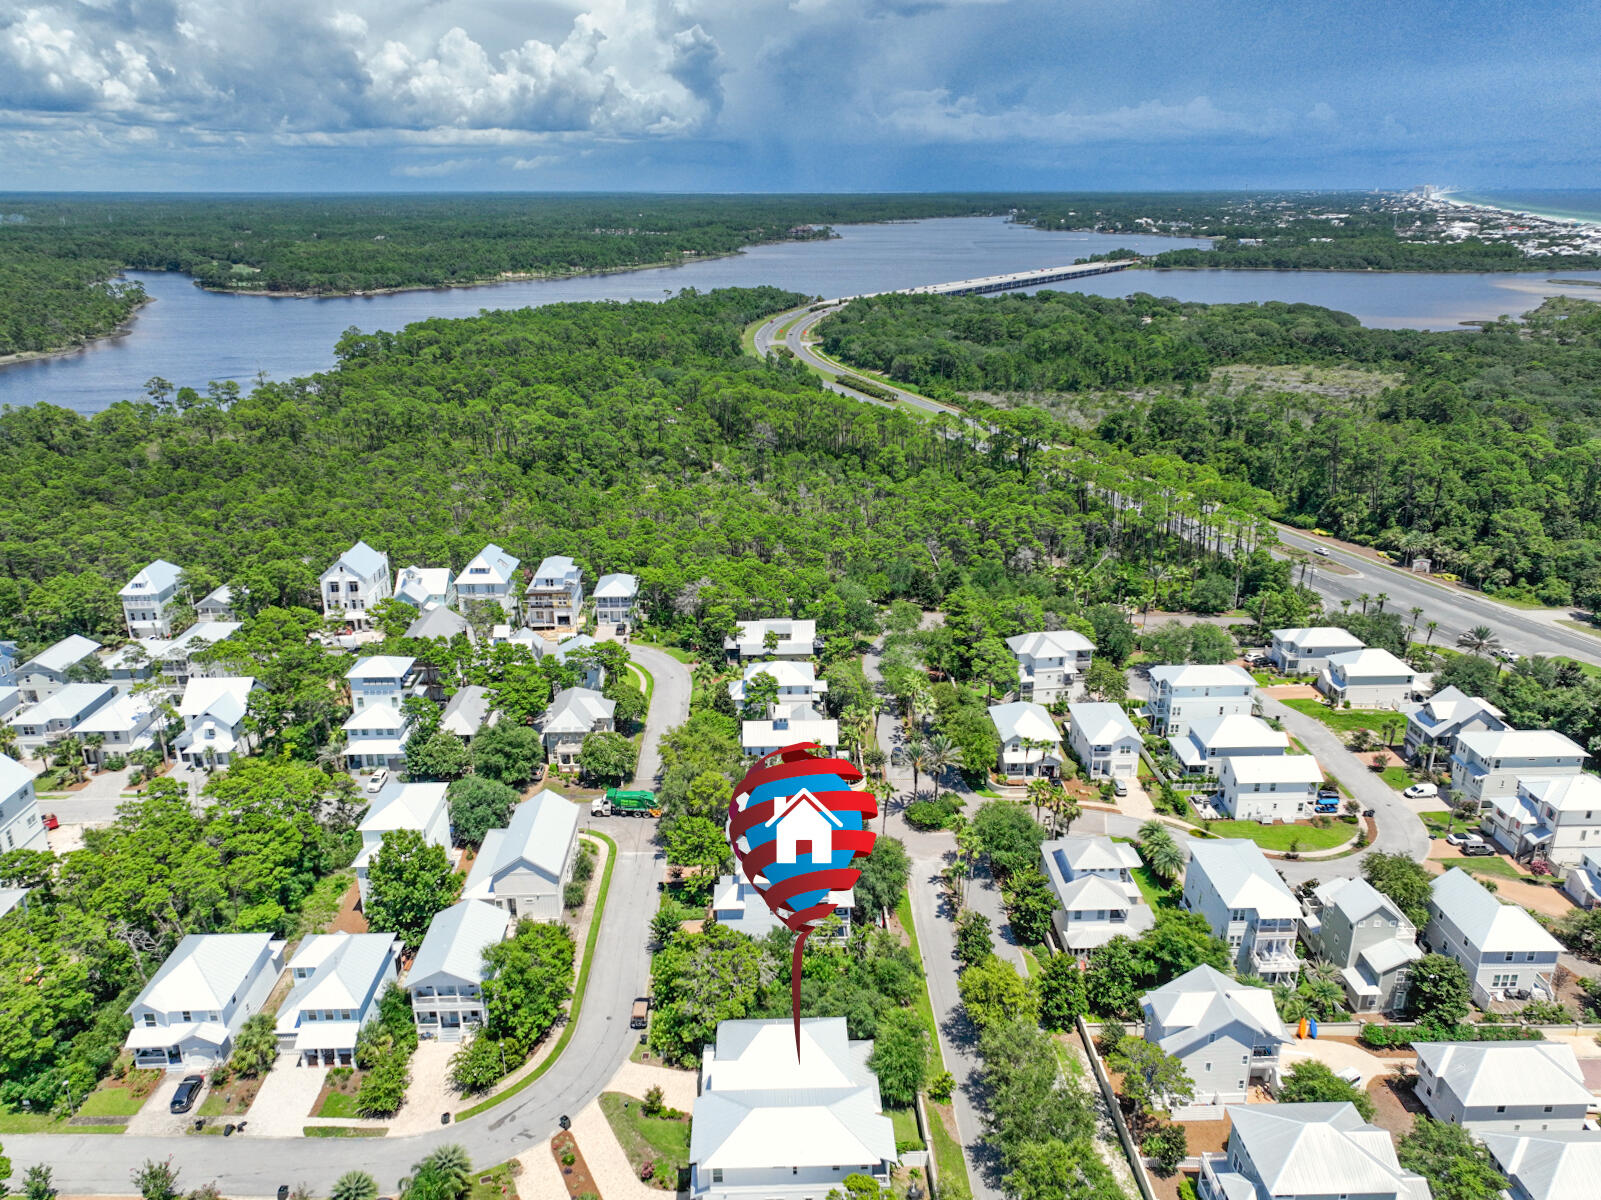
(669, 706)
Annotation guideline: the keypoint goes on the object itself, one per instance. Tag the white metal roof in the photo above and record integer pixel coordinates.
(205, 971)
(1318, 1150)
(361, 560)
(1054, 643)
(152, 581)
(619, 586)
(1100, 724)
(1565, 793)
(1549, 1165)
(226, 698)
(1200, 675)
(1237, 731)
(456, 940)
(575, 710)
(13, 776)
(492, 565)
(538, 836)
(404, 806)
(1510, 1073)
(1272, 768)
(123, 714)
(62, 655)
(1024, 719)
(1203, 1001)
(1242, 876)
(344, 974)
(1087, 852)
(1322, 637)
(1487, 924)
(376, 716)
(1368, 663)
(1519, 743)
(756, 734)
(69, 701)
(381, 666)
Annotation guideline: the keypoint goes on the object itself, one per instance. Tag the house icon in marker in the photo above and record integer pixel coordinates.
(803, 830)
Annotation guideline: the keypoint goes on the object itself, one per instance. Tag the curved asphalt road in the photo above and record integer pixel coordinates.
(244, 1165)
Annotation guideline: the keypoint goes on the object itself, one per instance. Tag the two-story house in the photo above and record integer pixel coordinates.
(10, 701)
(1226, 1033)
(8, 664)
(20, 826)
(1231, 883)
(1096, 896)
(358, 579)
(1547, 1166)
(378, 725)
(490, 577)
(795, 682)
(616, 599)
(1503, 1087)
(1104, 740)
(1184, 694)
(524, 867)
(179, 659)
(216, 605)
(446, 979)
(554, 597)
(439, 623)
(1050, 663)
(1582, 884)
(59, 713)
(1306, 1152)
(1307, 651)
(1030, 742)
(1361, 931)
(1487, 764)
(1432, 728)
(468, 711)
(1212, 739)
(1269, 787)
(1367, 678)
(788, 724)
(1503, 949)
(738, 905)
(213, 712)
(189, 1012)
(771, 1124)
(46, 673)
(573, 715)
(772, 638)
(146, 597)
(423, 807)
(338, 979)
(118, 728)
(426, 587)
(1557, 818)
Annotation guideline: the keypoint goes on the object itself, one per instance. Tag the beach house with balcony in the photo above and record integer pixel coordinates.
(213, 712)
(554, 598)
(773, 637)
(1231, 883)
(1432, 728)
(1557, 818)
(146, 597)
(358, 579)
(1104, 740)
(616, 601)
(1050, 663)
(1269, 788)
(490, 577)
(1503, 1087)
(1367, 678)
(189, 1012)
(1306, 1152)
(446, 979)
(338, 980)
(1226, 1033)
(59, 714)
(1307, 651)
(796, 680)
(1031, 745)
(1212, 739)
(1362, 932)
(1183, 694)
(46, 673)
(1096, 896)
(524, 867)
(1505, 952)
(1487, 764)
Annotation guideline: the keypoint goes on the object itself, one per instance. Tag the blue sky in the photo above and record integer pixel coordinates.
(767, 95)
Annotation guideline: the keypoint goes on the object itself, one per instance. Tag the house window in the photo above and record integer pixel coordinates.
(717, 1174)
(1500, 1108)
(1547, 1108)
(150, 1020)
(185, 1015)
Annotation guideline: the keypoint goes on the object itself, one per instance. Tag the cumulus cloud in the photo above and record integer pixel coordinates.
(937, 116)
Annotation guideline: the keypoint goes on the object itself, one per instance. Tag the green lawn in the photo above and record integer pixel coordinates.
(905, 1122)
(647, 681)
(953, 1181)
(499, 1178)
(338, 1104)
(1279, 837)
(1439, 823)
(345, 1131)
(1031, 962)
(112, 1102)
(1346, 720)
(1396, 777)
(28, 1122)
(1491, 864)
(647, 1139)
(682, 655)
(1157, 894)
(924, 1007)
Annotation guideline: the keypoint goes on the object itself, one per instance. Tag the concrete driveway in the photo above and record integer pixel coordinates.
(155, 1119)
(283, 1105)
(1337, 1056)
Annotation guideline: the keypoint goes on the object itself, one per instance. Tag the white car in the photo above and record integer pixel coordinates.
(377, 779)
(1463, 838)
(1421, 791)
(1507, 656)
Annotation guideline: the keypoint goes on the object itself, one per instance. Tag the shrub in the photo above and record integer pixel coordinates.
(572, 896)
(1167, 1145)
(941, 1086)
(652, 1106)
(383, 1089)
(478, 1065)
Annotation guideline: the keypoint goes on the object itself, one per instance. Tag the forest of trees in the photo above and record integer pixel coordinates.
(1480, 450)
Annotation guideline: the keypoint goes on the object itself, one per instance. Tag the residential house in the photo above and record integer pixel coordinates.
(1307, 651)
(1105, 740)
(797, 682)
(1306, 1152)
(591, 673)
(446, 979)
(1432, 728)
(1226, 1033)
(771, 1124)
(1487, 764)
(426, 587)
(121, 725)
(490, 577)
(1212, 739)
(1583, 883)
(1558, 1165)
(1361, 931)
(789, 639)
(1367, 678)
(1030, 742)
(189, 1012)
(338, 979)
(213, 712)
(1231, 883)
(8, 664)
(1269, 788)
(616, 598)
(358, 580)
(437, 622)
(20, 826)
(13, 898)
(1182, 695)
(46, 673)
(554, 597)
(1551, 817)
(1502, 948)
(1503, 1087)
(378, 726)
(176, 658)
(10, 701)
(574, 714)
(216, 605)
(146, 597)
(419, 806)
(788, 725)
(58, 714)
(524, 867)
(738, 905)
(1050, 663)
(468, 711)
(1096, 896)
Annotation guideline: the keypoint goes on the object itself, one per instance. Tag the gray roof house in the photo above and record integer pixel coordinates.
(574, 714)
(738, 905)
(20, 826)
(1431, 729)
(59, 712)
(438, 621)
(1106, 741)
(1547, 1166)
(1096, 896)
(1503, 1087)
(1226, 1033)
(769, 1125)
(524, 867)
(1306, 1152)
(1231, 883)
(446, 978)
(1361, 931)
(468, 711)
(338, 979)
(1023, 721)
(358, 579)
(209, 985)
(1503, 949)
(46, 672)
(146, 596)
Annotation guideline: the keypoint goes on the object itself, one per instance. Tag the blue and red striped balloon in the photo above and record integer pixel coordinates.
(796, 825)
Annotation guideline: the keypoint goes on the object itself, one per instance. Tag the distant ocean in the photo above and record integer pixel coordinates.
(1571, 204)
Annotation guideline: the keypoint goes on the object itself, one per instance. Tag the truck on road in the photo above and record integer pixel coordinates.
(625, 803)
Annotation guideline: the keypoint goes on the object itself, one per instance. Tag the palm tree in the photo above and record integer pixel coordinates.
(1411, 630)
(881, 791)
(1481, 639)
(1431, 626)
(941, 753)
(1039, 793)
(354, 1185)
(1064, 811)
(1363, 599)
(1381, 599)
(913, 753)
(1162, 855)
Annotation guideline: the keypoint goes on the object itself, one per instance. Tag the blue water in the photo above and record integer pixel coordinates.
(1581, 204)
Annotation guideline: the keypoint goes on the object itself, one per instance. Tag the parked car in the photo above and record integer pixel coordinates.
(1463, 838)
(184, 1098)
(1421, 791)
(1477, 850)
(376, 781)
(1325, 794)
(1120, 787)
(51, 821)
(1368, 812)
(1507, 656)
(1321, 551)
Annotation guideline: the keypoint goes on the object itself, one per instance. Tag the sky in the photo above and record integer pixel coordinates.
(795, 95)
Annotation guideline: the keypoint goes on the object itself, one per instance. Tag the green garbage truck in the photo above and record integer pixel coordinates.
(638, 803)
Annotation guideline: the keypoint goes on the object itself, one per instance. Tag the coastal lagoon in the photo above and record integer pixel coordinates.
(191, 337)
